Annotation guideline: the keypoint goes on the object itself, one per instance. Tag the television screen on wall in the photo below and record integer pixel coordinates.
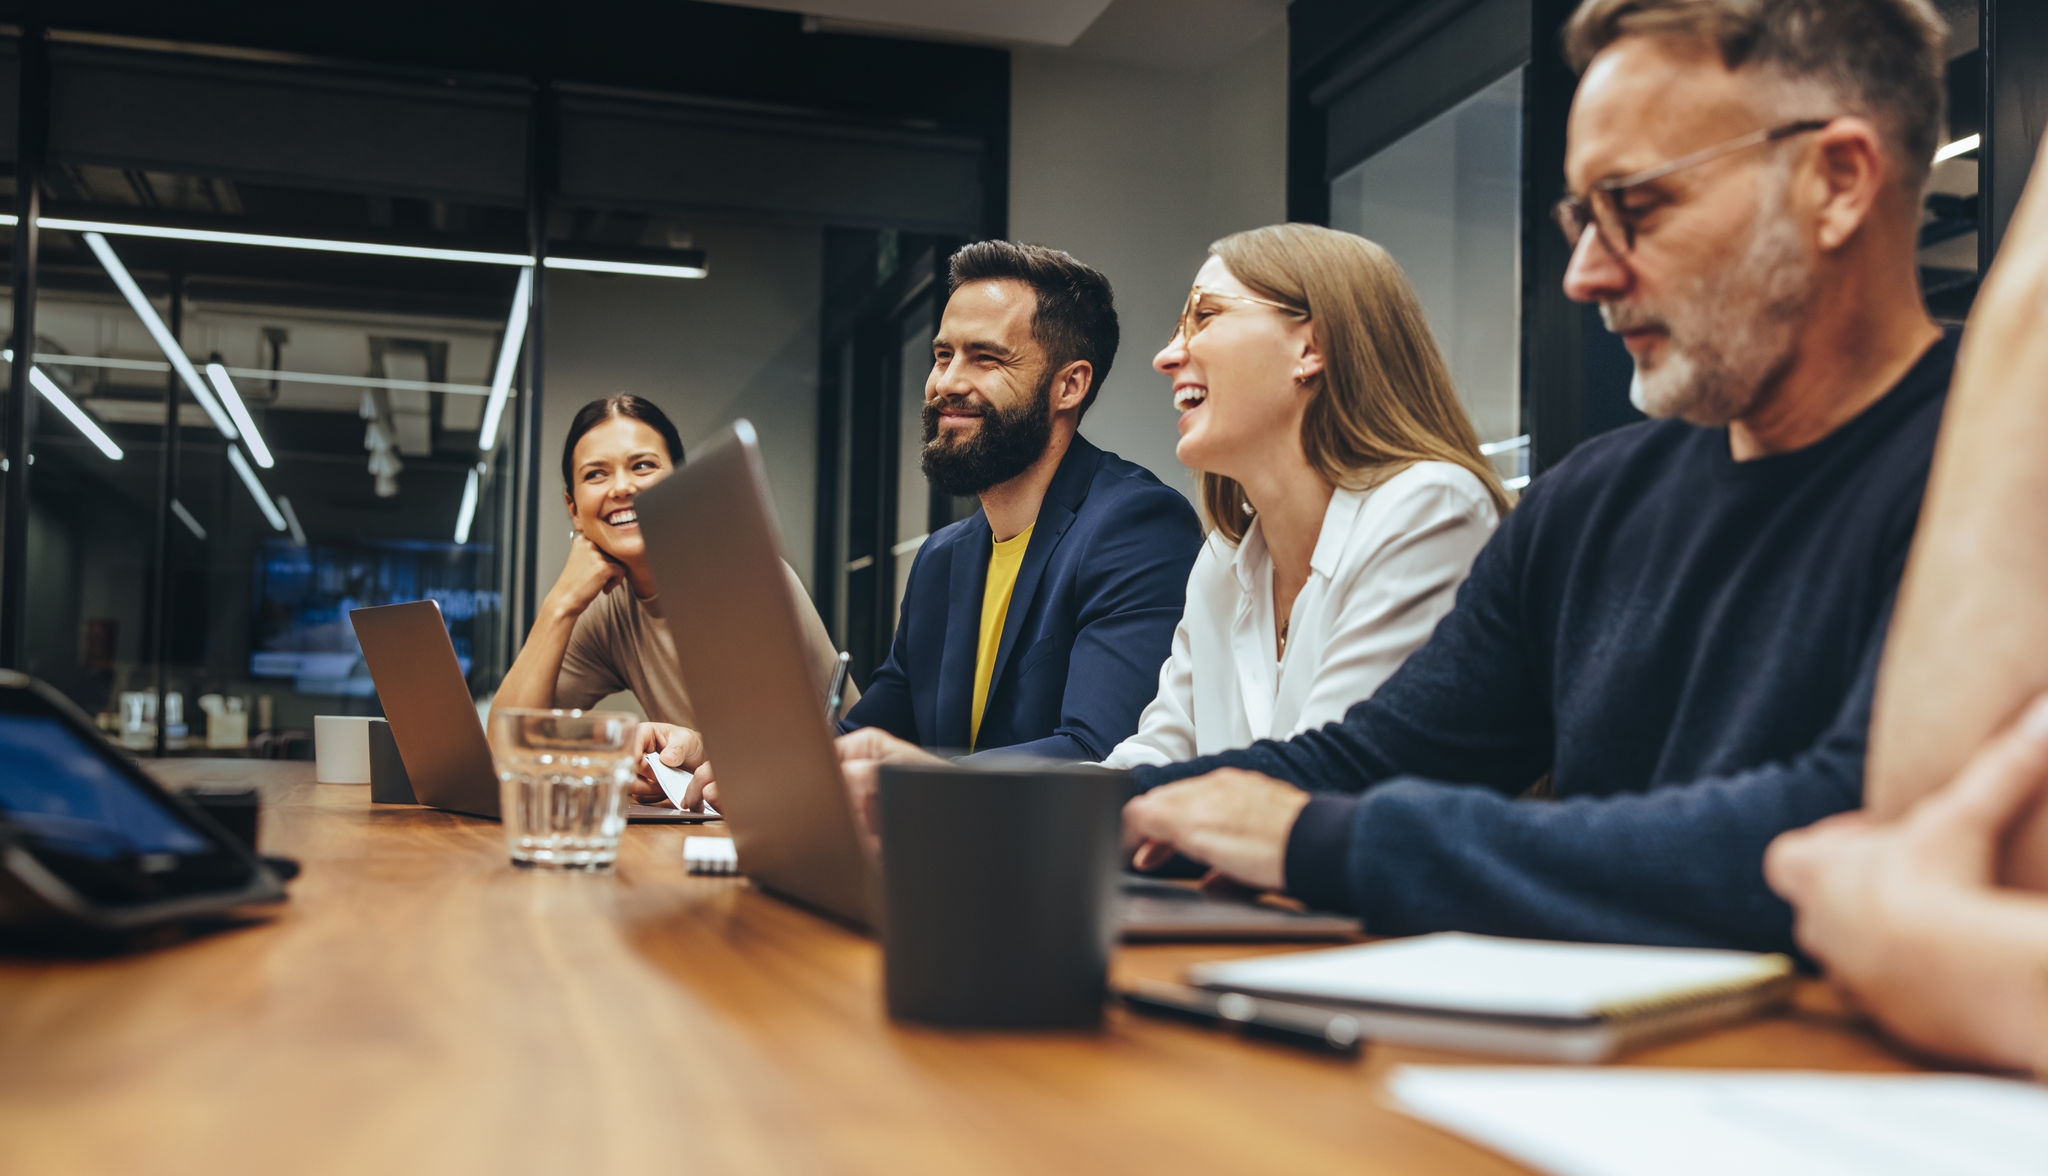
(304, 595)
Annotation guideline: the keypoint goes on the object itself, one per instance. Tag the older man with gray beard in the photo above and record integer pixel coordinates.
(1679, 626)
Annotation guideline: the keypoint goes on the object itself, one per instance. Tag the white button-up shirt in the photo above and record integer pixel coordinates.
(1386, 567)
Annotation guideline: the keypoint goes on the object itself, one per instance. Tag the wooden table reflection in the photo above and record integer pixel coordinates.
(420, 1005)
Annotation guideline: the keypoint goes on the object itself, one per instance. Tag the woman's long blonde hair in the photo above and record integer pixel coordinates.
(1384, 399)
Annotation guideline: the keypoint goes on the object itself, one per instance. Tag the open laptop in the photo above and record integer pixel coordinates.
(710, 533)
(434, 721)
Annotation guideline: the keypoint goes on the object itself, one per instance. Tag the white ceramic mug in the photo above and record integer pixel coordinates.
(341, 749)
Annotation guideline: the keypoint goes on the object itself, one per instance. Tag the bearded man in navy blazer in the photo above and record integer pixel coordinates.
(1040, 623)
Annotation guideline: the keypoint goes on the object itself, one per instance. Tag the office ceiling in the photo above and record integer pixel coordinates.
(1186, 33)
(1179, 33)
(1040, 22)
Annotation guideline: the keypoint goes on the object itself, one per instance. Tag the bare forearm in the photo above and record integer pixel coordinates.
(1961, 658)
(1972, 982)
(1963, 653)
(531, 680)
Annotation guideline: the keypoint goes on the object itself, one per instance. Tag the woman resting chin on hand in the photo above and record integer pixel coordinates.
(600, 629)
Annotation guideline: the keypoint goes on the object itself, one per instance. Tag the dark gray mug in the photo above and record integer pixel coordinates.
(388, 782)
(998, 893)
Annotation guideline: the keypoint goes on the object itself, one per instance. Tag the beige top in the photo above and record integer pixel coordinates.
(621, 643)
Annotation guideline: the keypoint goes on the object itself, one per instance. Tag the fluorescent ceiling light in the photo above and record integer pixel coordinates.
(508, 361)
(171, 348)
(256, 489)
(185, 517)
(291, 520)
(467, 514)
(232, 397)
(1962, 146)
(60, 359)
(1515, 483)
(648, 269)
(275, 241)
(361, 248)
(78, 417)
(1507, 446)
(359, 381)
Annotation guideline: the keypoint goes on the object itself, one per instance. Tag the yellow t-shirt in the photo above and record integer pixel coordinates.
(1004, 560)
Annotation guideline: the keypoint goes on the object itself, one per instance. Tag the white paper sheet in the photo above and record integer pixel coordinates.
(673, 781)
(1625, 1121)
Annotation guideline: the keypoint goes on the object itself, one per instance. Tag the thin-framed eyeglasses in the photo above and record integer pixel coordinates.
(1602, 209)
(1191, 320)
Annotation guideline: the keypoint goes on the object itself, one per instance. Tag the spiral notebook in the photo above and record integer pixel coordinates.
(1573, 1002)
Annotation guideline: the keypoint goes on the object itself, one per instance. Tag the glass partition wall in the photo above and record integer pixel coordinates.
(292, 323)
(1445, 200)
(885, 294)
(1423, 127)
(258, 439)
(1438, 127)
(1950, 244)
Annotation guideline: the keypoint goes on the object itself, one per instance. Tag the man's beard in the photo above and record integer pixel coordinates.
(1005, 444)
(1732, 334)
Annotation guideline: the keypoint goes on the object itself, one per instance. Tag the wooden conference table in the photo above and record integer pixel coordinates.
(420, 1005)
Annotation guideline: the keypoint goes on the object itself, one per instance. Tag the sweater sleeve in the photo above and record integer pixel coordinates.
(1681, 864)
(1471, 704)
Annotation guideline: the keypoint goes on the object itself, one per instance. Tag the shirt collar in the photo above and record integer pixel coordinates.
(1338, 519)
(1250, 557)
(1337, 523)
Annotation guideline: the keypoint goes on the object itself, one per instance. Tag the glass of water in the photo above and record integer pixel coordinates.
(562, 778)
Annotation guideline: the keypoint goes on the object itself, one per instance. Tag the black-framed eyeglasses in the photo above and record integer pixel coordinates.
(1601, 207)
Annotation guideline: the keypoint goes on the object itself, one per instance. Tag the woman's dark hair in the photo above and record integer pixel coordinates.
(598, 412)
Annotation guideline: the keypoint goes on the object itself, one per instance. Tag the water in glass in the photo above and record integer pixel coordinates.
(562, 777)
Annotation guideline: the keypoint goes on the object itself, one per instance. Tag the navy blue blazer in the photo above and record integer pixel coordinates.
(1090, 622)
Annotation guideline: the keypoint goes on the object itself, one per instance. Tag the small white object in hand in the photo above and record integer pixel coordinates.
(673, 782)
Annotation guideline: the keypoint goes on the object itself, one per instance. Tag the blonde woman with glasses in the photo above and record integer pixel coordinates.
(1342, 479)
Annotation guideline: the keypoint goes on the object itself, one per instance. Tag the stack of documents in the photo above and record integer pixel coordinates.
(1625, 1122)
(1574, 1002)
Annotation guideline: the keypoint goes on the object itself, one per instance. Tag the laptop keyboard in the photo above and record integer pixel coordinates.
(1148, 900)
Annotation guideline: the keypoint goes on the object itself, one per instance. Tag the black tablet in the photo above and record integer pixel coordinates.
(90, 846)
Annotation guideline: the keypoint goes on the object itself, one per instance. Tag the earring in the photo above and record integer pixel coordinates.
(1247, 508)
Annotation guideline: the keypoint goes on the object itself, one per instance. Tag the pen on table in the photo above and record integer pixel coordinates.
(1305, 1026)
(835, 694)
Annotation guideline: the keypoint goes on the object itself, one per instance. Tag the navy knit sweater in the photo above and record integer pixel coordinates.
(1684, 643)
